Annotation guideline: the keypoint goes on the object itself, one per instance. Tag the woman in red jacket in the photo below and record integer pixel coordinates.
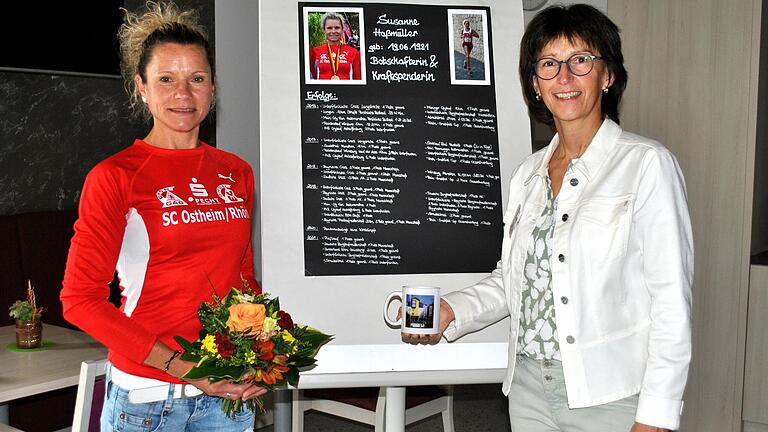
(173, 216)
(334, 60)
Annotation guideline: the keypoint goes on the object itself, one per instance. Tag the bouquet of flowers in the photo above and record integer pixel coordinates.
(246, 337)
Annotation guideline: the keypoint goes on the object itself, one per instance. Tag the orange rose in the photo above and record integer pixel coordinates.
(245, 316)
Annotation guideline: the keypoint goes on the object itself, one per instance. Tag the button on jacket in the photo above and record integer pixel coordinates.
(622, 263)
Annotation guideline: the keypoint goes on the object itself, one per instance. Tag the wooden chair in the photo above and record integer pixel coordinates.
(366, 405)
(90, 396)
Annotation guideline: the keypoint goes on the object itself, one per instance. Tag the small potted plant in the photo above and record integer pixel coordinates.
(29, 323)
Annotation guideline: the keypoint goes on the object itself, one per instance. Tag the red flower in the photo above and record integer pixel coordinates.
(264, 349)
(273, 373)
(225, 346)
(284, 320)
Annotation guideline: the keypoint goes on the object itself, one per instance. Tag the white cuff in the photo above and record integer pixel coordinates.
(659, 412)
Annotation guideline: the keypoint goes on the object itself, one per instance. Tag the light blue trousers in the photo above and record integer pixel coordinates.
(201, 413)
(538, 403)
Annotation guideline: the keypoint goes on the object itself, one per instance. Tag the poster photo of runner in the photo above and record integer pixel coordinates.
(333, 45)
(468, 42)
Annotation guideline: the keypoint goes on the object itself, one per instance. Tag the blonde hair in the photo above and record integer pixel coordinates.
(160, 22)
(332, 16)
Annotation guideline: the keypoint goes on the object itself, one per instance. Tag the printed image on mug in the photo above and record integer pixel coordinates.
(419, 311)
(420, 306)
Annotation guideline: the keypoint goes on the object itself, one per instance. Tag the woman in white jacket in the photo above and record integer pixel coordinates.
(596, 264)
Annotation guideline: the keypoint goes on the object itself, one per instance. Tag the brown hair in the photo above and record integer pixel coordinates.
(573, 22)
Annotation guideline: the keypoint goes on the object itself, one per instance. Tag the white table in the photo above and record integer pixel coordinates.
(25, 374)
(395, 367)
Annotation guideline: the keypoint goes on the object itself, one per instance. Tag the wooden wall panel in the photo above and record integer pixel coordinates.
(756, 364)
(760, 209)
(692, 86)
(755, 427)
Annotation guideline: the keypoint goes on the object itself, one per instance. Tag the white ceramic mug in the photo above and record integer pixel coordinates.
(421, 309)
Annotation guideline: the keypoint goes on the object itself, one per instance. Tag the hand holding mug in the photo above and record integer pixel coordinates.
(446, 317)
(423, 316)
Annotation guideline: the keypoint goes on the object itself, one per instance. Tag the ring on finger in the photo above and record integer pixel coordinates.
(228, 395)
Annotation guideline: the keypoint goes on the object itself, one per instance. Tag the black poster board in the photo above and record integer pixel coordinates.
(400, 165)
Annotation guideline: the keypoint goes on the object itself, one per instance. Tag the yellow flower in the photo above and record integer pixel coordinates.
(269, 324)
(250, 357)
(209, 344)
(290, 340)
(287, 337)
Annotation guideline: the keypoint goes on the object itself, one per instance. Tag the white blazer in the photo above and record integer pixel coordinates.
(622, 273)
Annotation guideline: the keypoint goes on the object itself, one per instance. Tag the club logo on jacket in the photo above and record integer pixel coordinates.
(226, 193)
(325, 59)
(208, 210)
(168, 198)
(200, 195)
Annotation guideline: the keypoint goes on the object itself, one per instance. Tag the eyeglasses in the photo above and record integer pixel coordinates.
(580, 64)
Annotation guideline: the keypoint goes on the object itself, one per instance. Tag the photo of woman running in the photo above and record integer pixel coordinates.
(467, 36)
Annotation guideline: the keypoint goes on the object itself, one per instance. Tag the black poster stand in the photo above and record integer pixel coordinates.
(401, 163)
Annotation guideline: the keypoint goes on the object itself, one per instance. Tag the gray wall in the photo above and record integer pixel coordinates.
(237, 85)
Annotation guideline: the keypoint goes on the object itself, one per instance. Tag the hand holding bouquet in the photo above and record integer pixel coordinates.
(246, 338)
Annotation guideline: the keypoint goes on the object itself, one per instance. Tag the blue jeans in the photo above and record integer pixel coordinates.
(538, 403)
(200, 413)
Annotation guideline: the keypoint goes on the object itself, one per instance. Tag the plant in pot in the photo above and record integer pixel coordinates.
(29, 323)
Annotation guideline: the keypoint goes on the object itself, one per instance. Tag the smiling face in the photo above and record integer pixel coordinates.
(573, 99)
(178, 88)
(333, 29)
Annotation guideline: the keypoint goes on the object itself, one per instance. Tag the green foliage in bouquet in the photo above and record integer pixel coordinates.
(247, 338)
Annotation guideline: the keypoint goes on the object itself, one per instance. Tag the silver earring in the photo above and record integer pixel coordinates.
(538, 97)
(143, 99)
(605, 89)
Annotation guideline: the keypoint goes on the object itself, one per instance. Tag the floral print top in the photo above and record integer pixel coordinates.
(538, 331)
